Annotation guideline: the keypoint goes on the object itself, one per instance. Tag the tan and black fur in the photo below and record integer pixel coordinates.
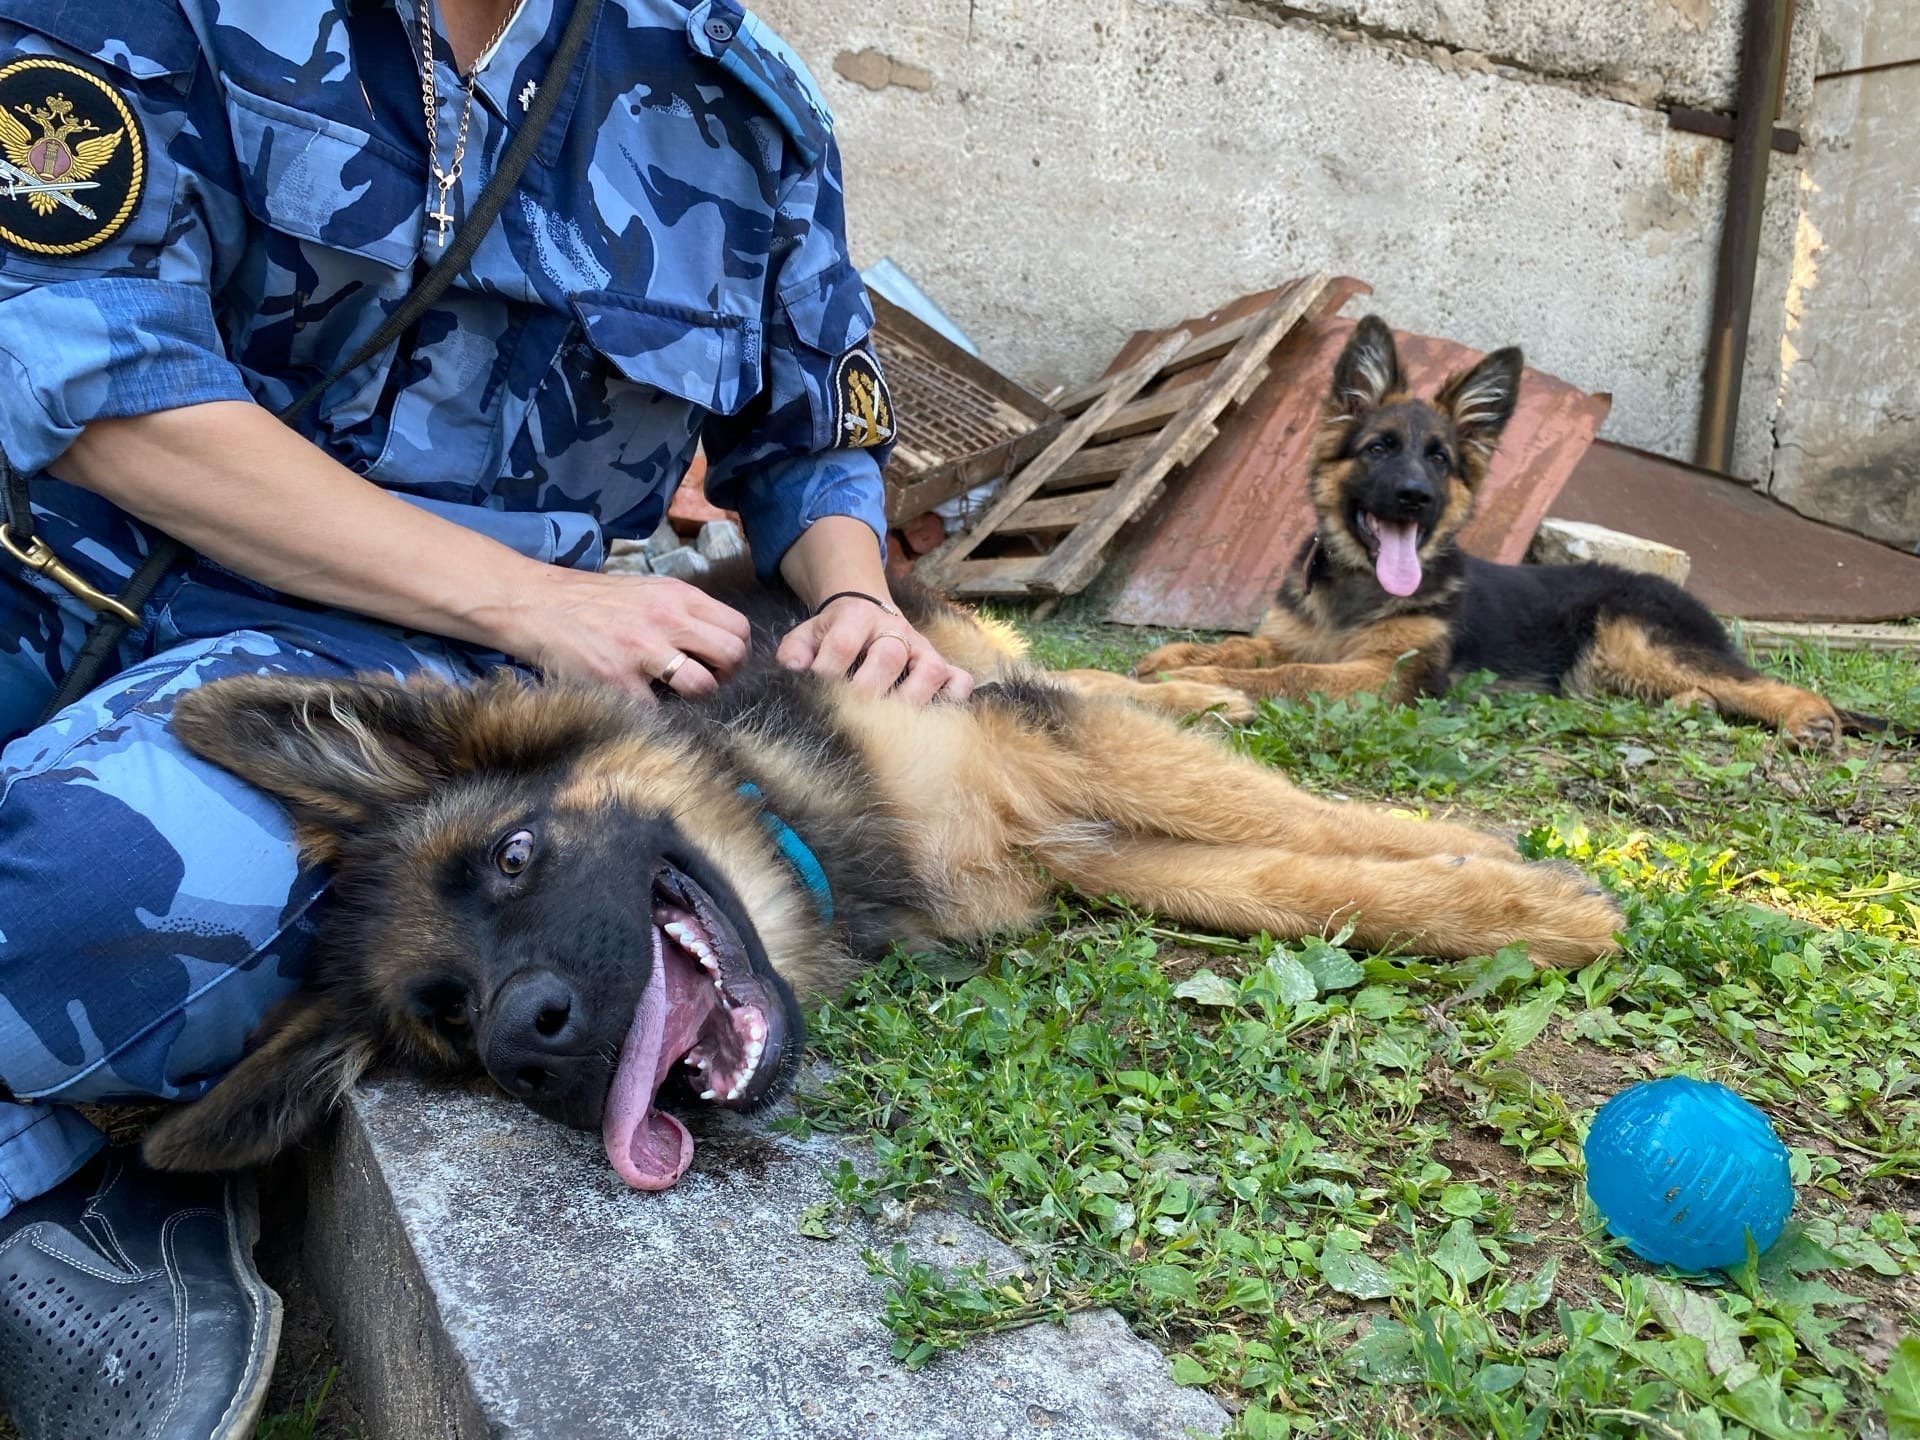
(1382, 454)
(948, 822)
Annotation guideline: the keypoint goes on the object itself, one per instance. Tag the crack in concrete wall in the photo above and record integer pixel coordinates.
(1654, 54)
(1452, 57)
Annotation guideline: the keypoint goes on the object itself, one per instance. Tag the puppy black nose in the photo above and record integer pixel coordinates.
(536, 1035)
(1413, 496)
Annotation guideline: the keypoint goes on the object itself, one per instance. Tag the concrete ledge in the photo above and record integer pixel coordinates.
(491, 1277)
(1576, 542)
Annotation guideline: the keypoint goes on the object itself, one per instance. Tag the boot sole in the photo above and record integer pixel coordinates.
(243, 1233)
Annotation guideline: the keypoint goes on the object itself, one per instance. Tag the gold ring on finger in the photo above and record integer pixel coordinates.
(673, 667)
(892, 635)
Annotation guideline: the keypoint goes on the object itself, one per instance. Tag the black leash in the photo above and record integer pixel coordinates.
(118, 615)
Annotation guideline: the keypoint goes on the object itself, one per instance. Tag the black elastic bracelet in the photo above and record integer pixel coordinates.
(821, 608)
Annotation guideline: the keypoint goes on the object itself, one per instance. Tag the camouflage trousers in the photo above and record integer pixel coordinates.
(152, 909)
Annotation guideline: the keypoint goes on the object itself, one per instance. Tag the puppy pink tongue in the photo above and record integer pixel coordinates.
(1397, 566)
(650, 1148)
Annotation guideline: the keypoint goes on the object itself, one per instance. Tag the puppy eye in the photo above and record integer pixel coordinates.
(1382, 446)
(1437, 454)
(444, 1004)
(515, 852)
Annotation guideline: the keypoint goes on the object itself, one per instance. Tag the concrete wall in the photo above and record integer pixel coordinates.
(1057, 173)
(1848, 424)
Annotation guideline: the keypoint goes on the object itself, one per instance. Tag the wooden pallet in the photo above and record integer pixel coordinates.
(1057, 515)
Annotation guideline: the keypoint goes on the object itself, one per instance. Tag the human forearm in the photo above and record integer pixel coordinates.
(835, 553)
(233, 483)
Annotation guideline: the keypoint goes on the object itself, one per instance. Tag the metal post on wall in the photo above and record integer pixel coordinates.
(1763, 72)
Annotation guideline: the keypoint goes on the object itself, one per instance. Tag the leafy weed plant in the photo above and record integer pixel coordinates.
(1343, 1190)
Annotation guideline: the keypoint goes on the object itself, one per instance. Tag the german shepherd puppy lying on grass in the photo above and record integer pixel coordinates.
(1381, 597)
(611, 908)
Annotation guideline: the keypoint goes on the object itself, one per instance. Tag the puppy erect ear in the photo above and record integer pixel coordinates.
(272, 1098)
(1481, 401)
(1367, 371)
(337, 753)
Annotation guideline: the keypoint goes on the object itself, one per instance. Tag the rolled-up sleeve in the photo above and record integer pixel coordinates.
(124, 326)
(102, 349)
(813, 442)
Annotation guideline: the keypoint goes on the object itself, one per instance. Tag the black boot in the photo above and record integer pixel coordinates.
(129, 1307)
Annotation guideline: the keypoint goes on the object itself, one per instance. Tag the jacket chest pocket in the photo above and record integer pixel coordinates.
(326, 182)
(707, 359)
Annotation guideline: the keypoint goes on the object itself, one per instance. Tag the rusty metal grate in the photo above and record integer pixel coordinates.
(942, 413)
(961, 423)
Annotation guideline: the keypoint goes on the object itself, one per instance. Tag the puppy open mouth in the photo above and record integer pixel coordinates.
(1395, 547)
(704, 1011)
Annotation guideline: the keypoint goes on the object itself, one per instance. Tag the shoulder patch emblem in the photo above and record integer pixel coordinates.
(72, 158)
(862, 406)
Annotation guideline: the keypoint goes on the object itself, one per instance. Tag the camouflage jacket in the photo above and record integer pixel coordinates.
(220, 199)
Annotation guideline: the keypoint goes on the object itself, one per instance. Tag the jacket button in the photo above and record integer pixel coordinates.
(719, 31)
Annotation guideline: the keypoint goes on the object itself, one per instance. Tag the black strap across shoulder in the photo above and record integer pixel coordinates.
(164, 553)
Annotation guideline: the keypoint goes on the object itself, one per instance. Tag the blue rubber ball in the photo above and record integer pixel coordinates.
(1682, 1170)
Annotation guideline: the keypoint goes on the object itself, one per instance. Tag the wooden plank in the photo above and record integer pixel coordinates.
(939, 568)
(1059, 512)
(1076, 560)
(1252, 383)
(1146, 415)
(1008, 575)
(1152, 413)
(1206, 345)
(1099, 464)
(1780, 634)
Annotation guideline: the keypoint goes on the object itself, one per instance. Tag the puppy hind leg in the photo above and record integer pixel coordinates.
(1450, 907)
(1135, 769)
(1626, 658)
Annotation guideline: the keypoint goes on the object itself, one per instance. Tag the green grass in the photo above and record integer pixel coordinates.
(1343, 1191)
(307, 1419)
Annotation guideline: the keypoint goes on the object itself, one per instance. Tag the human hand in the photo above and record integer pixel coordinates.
(876, 650)
(627, 630)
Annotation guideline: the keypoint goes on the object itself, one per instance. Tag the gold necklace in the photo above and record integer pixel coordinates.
(430, 99)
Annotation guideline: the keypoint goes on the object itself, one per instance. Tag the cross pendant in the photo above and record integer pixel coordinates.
(441, 217)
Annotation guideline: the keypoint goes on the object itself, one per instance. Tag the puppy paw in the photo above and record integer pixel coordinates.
(1814, 725)
(1198, 697)
(1169, 657)
(1575, 918)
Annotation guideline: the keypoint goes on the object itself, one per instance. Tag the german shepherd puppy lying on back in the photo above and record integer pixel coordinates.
(1381, 597)
(614, 910)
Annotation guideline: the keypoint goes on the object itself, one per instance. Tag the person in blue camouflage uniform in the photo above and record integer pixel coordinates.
(205, 205)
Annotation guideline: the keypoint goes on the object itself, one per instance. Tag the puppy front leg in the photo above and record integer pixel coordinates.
(1241, 652)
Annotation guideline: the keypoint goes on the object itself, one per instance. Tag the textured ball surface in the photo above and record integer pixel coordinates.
(1681, 1170)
